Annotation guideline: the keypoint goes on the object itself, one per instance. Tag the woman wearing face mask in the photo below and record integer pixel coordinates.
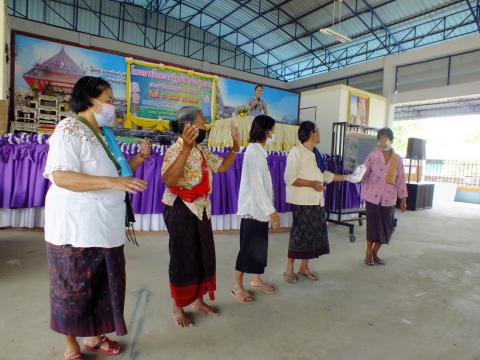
(85, 222)
(384, 182)
(305, 186)
(255, 206)
(187, 173)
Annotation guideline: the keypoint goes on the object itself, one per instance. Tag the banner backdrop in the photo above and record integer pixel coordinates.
(156, 92)
(41, 64)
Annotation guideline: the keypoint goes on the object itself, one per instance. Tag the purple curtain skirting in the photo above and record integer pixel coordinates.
(22, 185)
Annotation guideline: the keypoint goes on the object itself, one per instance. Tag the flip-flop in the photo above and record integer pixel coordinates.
(242, 300)
(369, 262)
(266, 289)
(310, 275)
(290, 278)
(113, 347)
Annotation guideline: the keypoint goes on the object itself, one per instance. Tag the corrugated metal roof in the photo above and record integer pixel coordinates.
(282, 32)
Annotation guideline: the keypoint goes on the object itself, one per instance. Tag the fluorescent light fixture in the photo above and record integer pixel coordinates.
(336, 35)
(330, 30)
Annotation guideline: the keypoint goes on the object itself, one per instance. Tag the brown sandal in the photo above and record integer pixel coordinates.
(378, 260)
(242, 300)
(310, 275)
(289, 277)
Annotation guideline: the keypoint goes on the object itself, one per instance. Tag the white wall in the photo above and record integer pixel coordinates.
(332, 106)
(327, 101)
(108, 44)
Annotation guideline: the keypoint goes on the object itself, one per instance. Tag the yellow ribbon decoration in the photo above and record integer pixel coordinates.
(286, 136)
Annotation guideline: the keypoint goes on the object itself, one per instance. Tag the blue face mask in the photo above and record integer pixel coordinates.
(107, 116)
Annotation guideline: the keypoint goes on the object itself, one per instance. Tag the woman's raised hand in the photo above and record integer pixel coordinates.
(189, 135)
(145, 148)
(235, 135)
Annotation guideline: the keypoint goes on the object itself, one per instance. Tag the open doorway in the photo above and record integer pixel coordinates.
(451, 128)
(453, 153)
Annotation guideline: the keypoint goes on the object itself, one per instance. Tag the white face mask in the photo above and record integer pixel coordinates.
(270, 140)
(107, 116)
(387, 146)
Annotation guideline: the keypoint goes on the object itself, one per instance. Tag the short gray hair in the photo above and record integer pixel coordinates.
(186, 114)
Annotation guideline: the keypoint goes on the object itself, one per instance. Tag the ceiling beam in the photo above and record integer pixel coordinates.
(475, 12)
(442, 7)
(190, 17)
(384, 26)
(313, 11)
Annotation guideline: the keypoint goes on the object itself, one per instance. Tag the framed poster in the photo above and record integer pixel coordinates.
(358, 109)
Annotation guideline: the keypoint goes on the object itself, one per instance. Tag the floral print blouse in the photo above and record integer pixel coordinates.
(192, 175)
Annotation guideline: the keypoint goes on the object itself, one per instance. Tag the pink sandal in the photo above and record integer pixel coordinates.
(76, 356)
(113, 347)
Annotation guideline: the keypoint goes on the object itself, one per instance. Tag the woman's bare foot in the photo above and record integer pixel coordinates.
(92, 341)
(72, 346)
(199, 305)
(181, 318)
(304, 269)
(261, 285)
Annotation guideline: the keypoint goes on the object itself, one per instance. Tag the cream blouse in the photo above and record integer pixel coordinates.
(301, 164)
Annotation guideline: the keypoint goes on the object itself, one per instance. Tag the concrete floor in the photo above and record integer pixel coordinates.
(425, 304)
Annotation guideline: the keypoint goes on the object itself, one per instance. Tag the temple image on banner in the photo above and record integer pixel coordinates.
(60, 72)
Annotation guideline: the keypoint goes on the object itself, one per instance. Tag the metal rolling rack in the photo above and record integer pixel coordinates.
(334, 204)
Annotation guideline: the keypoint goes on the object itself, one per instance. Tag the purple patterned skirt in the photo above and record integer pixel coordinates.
(87, 290)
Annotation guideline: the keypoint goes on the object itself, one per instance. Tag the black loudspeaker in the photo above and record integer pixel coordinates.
(416, 149)
(420, 196)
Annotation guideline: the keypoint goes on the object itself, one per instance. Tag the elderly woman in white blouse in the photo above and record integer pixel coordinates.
(255, 206)
(305, 185)
(85, 214)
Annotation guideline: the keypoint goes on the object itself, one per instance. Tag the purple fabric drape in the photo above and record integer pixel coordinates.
(341, 195)
(22, 185)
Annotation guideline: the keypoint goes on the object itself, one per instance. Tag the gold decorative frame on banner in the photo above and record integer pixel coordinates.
(161, 125)
(358, 108)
